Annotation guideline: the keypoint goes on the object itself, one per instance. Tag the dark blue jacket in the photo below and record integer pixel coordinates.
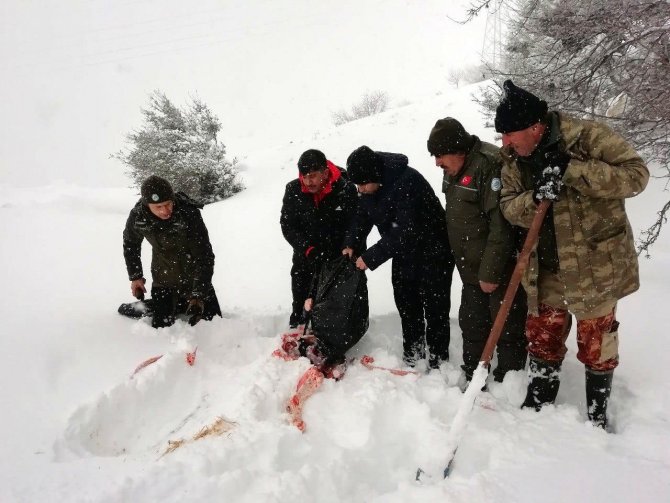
(407, 213)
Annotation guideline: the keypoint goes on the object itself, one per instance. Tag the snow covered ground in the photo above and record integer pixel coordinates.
(79, 428)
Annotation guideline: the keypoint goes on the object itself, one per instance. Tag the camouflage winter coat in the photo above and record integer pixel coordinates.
(182, 256)
(594, 239)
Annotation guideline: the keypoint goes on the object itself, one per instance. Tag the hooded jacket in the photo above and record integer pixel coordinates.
(407, 214)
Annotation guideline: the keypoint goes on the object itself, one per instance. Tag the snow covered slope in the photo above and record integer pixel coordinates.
(77, 427)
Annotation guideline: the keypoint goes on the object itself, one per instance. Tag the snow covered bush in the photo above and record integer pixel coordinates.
(180, 145)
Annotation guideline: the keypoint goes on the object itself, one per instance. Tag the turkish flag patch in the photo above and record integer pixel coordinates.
(466, 180)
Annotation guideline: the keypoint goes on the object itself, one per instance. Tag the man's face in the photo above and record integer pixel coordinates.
(315, 181)
(162, 210)
(525, 141)
(368, 188)
(450, 163)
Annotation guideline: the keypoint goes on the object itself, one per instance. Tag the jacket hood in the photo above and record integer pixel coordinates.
(394, 166)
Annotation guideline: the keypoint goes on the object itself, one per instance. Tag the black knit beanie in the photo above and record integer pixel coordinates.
(364, 166)
(311, 160)
(448, 136)
(518, 109)
(156, 190)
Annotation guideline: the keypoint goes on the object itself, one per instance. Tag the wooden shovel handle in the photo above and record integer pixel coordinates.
(521, 264)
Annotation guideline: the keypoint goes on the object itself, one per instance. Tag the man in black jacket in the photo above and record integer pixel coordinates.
(182, 262)
(316, 212)
(409, 217)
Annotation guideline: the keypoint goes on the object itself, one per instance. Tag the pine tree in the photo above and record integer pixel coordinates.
(181, 146)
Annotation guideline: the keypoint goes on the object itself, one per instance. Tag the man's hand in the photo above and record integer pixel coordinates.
(550, 182)
(557, 159)
(195, 309)
(360, 263)
(549, 185)
(488, 287)
(308, 304)
(138, 289)
(348, 251)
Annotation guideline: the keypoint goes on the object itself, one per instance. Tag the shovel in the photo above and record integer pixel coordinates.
(481, 373)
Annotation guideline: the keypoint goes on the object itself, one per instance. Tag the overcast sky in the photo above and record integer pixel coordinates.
(76, 72)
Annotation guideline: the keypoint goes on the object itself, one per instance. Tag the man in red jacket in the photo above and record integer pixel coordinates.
(317, 211)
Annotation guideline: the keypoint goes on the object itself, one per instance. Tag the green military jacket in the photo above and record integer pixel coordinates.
(182, 256)
(594, 239)
(481, 239)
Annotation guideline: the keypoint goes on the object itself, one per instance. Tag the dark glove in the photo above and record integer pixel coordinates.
(550, 182)
(195, 309)
(548, 186)
(557, 159)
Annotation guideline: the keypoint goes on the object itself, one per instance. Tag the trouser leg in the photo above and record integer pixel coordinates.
(546, 333)
(407, 295)
(436, 298)
(511, 348)
(301, 279)
(474, 318)
(598, 342)
(164, 306)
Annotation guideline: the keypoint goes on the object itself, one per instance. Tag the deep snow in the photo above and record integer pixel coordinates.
(78, 428)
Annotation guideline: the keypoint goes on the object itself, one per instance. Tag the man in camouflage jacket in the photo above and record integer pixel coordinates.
(585, 260)
(182, 261)
(482, 242)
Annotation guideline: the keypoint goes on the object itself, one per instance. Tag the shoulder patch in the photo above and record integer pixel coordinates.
(496, 184)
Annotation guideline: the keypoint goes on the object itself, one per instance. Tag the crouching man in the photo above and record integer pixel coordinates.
(182, 262)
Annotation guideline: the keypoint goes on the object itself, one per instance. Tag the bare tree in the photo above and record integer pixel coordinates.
(606, 60)
(371, 103)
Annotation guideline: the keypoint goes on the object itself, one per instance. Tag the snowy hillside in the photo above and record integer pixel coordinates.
(79, 428)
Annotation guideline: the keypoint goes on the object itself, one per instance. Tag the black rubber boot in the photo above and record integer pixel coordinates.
(137, 310)
(598, 388)
(544, 380)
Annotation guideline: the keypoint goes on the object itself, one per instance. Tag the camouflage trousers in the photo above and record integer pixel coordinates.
(597, 338)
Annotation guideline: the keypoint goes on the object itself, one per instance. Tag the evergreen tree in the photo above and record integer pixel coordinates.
(181, 146)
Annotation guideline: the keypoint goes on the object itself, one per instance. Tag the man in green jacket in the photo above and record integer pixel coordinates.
(482, 242)
(585, 259)
(182, 261)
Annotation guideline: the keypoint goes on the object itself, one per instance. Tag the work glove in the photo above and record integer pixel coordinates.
(557, 159)
(549, 184)
(195, 309)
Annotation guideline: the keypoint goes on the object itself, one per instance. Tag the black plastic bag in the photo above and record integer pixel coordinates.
(340, 311)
